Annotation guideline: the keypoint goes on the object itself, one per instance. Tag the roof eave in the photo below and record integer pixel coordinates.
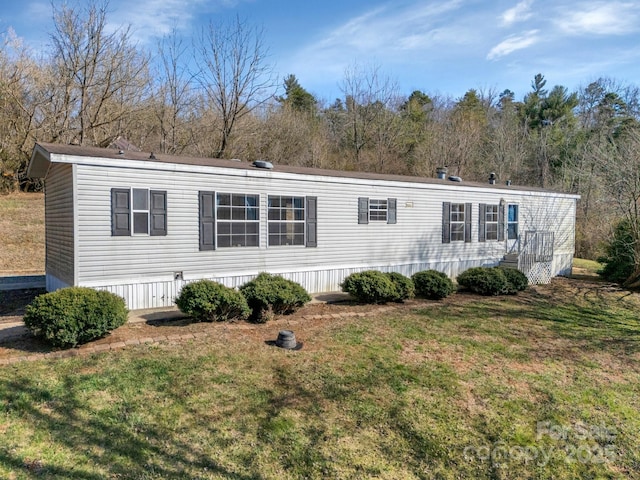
(39, 163)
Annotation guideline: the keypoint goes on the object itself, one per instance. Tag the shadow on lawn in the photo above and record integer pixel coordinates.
(102, 442)
(593, 319)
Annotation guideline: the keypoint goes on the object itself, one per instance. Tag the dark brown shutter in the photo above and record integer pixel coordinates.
(467, 222)
(158, 211)
(391, 210)
(207, 220)
(501, 223)
(120, 212)
(446, 222)
(482, 222)
(363, 210)
(311, 220)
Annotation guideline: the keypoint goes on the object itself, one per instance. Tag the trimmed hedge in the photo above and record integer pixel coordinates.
(484, 280)
(75, 315)
(493, 280)
(433, 284)
(516, 280)
(268, 295)
(209, 301)
(405, 289)
(370, 286)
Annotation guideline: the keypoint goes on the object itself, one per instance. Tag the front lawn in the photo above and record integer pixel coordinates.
(542, 385)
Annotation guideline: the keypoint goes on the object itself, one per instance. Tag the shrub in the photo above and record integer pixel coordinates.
(484, 280)
(619, 258)
(370, 286)
(404, 286)
(209, 301)
(75, 315)
(516, 280)
(433, 284)
(269, 295)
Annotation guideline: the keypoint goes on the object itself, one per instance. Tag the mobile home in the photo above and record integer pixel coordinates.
(142, 225)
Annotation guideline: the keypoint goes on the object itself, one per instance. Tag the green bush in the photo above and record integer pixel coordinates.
(209, 301)
(405, 288)
(484, 280)
(516, 280)
(433, 284)
(75, 315)
(269, 295)
(370, 286)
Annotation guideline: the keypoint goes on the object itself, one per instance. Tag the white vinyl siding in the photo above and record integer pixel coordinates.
(145, 266)
(59, 226)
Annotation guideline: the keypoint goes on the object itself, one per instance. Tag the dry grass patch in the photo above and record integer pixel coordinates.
(22, 233)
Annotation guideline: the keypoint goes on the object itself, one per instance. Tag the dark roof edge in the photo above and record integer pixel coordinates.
(54, 148)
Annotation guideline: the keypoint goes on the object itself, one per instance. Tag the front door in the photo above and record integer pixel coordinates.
(513, 238)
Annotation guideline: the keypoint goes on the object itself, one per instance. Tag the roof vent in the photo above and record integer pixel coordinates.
(454, 178)
(263, 164)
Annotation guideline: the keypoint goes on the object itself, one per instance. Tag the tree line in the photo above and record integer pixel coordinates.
(217, 96)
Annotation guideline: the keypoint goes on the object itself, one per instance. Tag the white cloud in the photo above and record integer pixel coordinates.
(513, 43)
(154, 18)
(519, 13)
(599, 18)
(388, 29)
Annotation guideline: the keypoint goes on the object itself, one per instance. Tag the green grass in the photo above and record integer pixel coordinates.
(542, 385)
(590, 266)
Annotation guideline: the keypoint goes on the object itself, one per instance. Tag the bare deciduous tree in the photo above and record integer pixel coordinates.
(99, 77)
(174, 96)
(234, 74)
(370, 116)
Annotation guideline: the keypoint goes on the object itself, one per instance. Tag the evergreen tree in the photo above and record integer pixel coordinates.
(296, 97)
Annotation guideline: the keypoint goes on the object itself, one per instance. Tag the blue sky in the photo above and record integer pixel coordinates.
(441, 47)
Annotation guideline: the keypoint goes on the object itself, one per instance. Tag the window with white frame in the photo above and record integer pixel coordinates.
(237, 220)
(286, 220)
(138, 211)
(378, 210)
(491, 222)
(457, 222)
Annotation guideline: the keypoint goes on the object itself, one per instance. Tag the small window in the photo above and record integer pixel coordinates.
(457, 222)
(491, 222)
(512, 222)
(138, 211)
(377, 210)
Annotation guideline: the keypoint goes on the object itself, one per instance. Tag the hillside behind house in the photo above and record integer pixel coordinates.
(21, 233)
